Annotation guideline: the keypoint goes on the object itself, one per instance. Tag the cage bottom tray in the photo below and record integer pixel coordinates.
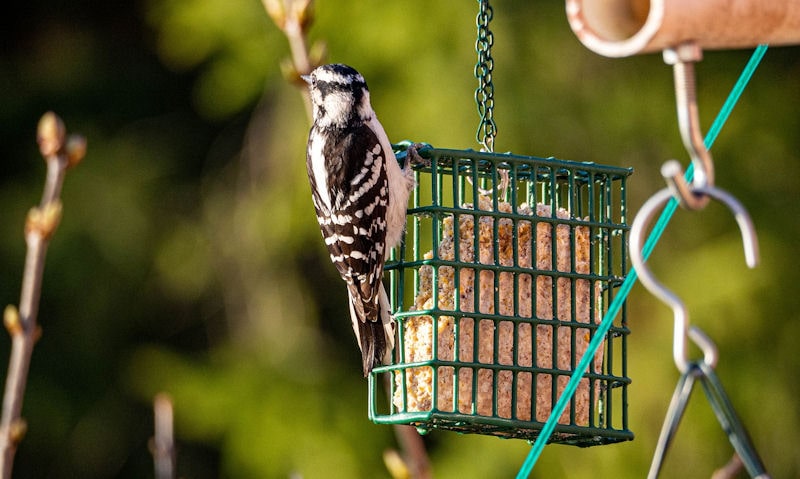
(505, 428)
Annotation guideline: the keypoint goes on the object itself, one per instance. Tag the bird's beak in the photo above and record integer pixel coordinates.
(306, 78)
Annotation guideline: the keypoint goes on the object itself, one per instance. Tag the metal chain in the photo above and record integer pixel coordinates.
(484, 94)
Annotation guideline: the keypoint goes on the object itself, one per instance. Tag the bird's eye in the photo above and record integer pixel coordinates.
(310, 79)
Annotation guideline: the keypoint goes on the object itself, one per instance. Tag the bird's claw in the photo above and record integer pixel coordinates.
(414, 158)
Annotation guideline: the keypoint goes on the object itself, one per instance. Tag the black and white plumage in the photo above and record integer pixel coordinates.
(360, 194)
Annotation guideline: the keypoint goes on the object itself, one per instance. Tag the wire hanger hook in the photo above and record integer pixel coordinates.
(682, 329)
(682, 58)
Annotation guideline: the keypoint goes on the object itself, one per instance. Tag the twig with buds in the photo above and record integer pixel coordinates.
(60, 153)
(294, 18)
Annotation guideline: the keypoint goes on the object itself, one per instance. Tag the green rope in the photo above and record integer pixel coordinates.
(631, 278)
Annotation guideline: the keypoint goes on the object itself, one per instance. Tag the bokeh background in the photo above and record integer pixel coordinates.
(189, 259)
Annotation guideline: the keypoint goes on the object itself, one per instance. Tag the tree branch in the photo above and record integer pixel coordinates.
(59, 153)
(163, 442)
(729, 470)
(294, 18)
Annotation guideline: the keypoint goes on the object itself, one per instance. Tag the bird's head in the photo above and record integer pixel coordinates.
(339, 96)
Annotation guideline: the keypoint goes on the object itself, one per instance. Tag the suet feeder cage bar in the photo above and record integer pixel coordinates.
(515, 300)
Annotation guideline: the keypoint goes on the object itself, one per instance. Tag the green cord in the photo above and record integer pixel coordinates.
(627, 285)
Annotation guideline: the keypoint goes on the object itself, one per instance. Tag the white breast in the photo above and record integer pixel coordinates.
(319, 171)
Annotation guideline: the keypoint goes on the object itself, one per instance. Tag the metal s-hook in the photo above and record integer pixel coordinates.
(682, 58)
(682, 330)
(694, 194)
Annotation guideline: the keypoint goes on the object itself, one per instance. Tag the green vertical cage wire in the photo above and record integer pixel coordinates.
(514, 260)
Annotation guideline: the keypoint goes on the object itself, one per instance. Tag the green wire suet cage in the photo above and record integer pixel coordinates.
(508, 265)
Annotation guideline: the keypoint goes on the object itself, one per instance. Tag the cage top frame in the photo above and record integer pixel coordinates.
(466, 156)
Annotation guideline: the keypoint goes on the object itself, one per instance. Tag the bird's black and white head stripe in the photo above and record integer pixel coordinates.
(336, 75)
(339, 96)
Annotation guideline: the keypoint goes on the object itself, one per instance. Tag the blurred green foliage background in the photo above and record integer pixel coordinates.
(189, 259)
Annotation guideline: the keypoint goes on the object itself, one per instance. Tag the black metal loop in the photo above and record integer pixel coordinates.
(484, 94)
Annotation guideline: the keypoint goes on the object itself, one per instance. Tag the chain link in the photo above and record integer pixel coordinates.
(484, 94)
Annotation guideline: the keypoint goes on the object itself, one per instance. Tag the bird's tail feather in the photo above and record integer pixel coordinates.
(375, 337)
